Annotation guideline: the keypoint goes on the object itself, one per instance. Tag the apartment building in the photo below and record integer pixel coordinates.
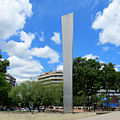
(11, 79)
(51, 77)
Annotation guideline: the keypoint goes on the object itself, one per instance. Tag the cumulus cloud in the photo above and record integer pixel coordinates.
(109, 24)
(59, 68)
(24, 69)
(13, 14)
(56, 38)
(22, 64)
(90, 56)
(19, 49)
(45, 52)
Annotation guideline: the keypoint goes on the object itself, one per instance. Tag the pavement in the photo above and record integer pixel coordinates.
(109, 116)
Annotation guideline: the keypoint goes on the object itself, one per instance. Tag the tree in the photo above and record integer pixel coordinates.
(36, 94)
(86, 78)
(4, 85)
(15, 96)
(109, 79)
(53, 95)
(90, 76)
(117, 82)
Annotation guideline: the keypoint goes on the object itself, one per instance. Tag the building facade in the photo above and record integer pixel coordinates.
(11, 79)
(51, 77)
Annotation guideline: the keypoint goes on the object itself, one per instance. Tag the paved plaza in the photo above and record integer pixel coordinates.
(109, 116)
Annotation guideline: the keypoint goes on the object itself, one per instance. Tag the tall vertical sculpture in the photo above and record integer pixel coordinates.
(67, 37)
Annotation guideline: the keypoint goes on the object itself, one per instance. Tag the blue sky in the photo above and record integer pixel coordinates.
(31, 33)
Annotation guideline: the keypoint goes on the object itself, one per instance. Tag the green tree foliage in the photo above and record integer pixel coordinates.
(117, 82)
(53, 95)
(109, 76)
(86, 77)
(36, 94)
(4, 85)
(109, 79)
(90, 76)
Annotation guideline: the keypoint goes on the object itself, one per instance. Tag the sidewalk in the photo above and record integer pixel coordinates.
(109, 116)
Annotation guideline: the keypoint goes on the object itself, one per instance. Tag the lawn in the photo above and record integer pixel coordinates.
(43, 116)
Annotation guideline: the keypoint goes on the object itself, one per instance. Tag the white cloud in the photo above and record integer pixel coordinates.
(59, 68)
(22, 64)
(26, 38)
(19, 49)
(13, 14)
(41, 38)
(109, 24)
(45, 52)
(24, 69)
(56, 38)
(101, 67)
(102, 62)
(116, 69)
(118, 65)
(90, 56)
